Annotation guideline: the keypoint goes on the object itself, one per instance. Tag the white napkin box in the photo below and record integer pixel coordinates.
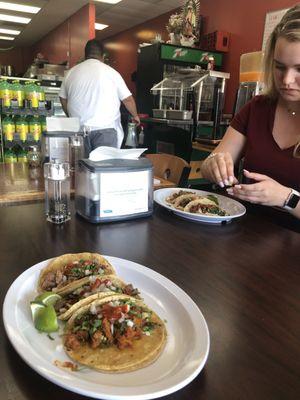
(114, 190)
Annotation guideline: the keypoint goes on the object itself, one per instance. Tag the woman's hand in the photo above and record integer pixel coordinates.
(219, 168)
(265, 191)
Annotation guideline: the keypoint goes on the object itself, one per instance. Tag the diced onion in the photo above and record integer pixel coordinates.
(93, 309)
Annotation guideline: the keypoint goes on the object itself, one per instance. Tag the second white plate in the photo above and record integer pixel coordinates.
(233, 208)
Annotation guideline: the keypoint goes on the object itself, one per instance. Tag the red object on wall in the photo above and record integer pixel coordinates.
(215, 41)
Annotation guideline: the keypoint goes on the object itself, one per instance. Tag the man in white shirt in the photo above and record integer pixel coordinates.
(93, 92)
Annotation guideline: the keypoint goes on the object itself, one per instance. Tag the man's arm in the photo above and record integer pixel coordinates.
(129, 103)
(64, 104)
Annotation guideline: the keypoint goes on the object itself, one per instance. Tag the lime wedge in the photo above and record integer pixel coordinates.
(45, 319)
(36, 306)
(48, 298)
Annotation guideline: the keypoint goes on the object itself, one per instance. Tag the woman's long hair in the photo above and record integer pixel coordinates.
(289, 29)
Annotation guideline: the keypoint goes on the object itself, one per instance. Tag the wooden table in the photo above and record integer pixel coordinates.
(20, 184)
(243, 276)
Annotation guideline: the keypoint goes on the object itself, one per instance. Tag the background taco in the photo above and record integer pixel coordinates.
(204, 206)
(68, 268)
(172, 198)
(184, 199)
(115, 334)
(84, 291)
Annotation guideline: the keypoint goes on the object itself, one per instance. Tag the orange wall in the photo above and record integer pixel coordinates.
(64, 43)
(122, 48)
(67, 41)
(244, 20)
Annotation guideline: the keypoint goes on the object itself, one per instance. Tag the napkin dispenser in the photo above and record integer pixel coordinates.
(114, 190)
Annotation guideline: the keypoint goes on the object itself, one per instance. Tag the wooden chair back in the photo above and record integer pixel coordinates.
(171, 168)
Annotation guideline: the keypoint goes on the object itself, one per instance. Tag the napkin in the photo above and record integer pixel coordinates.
(62, 124)
(107, 153)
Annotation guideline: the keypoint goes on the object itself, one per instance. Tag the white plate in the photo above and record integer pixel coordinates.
(233, 208)
(183, 358)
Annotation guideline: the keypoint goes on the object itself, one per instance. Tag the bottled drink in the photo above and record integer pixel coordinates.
(22, 156)
(35, 128)
(5, 93)
(10, 156)
(141, 136)
(22, 128)
(41, 92)
(18, 93)
(43, 123)
(8, 128)
(32, 94)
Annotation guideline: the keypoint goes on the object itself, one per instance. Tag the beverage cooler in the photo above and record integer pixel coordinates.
(23, 112)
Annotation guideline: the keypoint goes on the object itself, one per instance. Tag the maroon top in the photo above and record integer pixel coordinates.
(262, 154)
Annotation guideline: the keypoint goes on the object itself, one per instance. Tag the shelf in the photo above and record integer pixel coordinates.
(46, 108)
(30, 142)
(26, 111)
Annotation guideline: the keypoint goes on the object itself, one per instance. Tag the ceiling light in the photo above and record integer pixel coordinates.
(10, 31)
(19, 7)
(109, 1)
(12, 18)
(7, 38)
(100, 27)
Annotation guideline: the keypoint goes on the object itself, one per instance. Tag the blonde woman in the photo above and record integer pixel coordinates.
(266, 131)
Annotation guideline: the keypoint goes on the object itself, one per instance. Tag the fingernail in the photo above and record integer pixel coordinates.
(245, 170)
(226, 181)
(238, 186)
(221, 184)
(231, 179)
(229, 191)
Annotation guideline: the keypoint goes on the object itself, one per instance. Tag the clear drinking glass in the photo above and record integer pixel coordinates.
(76, 150)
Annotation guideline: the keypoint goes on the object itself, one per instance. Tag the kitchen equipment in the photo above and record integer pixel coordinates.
(157, 113)
(56, 141)
(179, 114)
(193, 94)
(131, 139)
(114, 190)
(57, 191)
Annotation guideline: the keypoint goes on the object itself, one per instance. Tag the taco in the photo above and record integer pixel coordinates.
(171, 199)
(70, 267)
(115, 334)
(205, 206)
(86, 290)
(183, 200)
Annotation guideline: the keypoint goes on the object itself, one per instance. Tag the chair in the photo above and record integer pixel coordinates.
(171, 168)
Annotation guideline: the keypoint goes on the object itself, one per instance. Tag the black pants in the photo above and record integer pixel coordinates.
(100, 137)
